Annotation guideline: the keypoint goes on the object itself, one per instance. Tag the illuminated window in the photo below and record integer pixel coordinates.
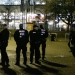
(18, 2)
(10, 2)
(37, 2)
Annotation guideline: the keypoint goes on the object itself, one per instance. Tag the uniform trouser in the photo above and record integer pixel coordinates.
(69, 44)
(73, 51)
(4, 56)
(34, 49)
(43, 43)
(1, 54)
(24, 50)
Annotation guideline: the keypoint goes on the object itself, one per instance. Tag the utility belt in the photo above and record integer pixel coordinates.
(34, 42)
(4, 43)
(43, 39)
(21, 42)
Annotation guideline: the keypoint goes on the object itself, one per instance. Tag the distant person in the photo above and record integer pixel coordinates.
(34, 44)
(70, 38)
(43, 38)
(4, 44)
(21, 38)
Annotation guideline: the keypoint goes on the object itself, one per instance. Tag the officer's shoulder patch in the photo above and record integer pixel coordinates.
(42, 29)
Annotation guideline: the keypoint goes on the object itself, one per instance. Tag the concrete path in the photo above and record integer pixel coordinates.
(59, 60)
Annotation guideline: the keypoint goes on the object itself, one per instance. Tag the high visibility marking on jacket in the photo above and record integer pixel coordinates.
(34, 32)
(42, 31)
(22, 33)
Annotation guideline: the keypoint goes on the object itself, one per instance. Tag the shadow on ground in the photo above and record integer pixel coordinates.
(43, 69)
(31, 71)
(40, 70)
(54, 64)
(47, 69)
(7, 71)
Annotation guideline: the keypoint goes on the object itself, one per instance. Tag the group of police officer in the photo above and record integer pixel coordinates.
(35, 37)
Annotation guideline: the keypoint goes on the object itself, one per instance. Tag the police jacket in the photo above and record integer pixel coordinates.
(71, 34)
(21, 36)
(0, 39)
(4, 36)
(34, 36)
(43, 34)
(73, 39)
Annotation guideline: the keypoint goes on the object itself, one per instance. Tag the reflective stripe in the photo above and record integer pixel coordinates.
(43, 32)
(34, 32)
(21, 31)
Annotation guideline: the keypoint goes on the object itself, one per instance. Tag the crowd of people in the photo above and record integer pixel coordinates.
(35, 37)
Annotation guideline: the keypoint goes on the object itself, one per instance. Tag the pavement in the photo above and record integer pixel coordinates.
(59, 60)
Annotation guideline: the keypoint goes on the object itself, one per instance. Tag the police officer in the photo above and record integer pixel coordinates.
(0, 47)
(34, 44)
(43, 37)
(73, 43)
(21, 38)
(70, 37)
(4, 44)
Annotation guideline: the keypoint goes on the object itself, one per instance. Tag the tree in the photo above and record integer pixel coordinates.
(63, 7)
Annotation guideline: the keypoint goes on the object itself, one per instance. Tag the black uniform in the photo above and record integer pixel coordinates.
(21, 39)
(4, 44)
(0, 49)
(43, 36)
(34, 45)
(73, 43)
(70, 37)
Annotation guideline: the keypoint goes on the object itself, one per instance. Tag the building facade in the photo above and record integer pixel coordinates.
(14, 12)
